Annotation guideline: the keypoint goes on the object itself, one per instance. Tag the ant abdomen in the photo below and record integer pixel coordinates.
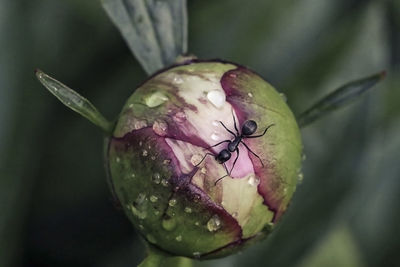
(249, 127)
(223, 156)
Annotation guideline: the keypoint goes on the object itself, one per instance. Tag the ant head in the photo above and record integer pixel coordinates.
(223, 156)
(249, 127)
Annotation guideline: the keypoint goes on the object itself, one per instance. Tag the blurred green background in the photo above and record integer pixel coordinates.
(55, 207)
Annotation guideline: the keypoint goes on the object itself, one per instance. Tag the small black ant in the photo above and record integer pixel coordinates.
(249, 127)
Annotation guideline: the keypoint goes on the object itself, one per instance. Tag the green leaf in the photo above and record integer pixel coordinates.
(339, 98)
(155, 30)
(74, 101)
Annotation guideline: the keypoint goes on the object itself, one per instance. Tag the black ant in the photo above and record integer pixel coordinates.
(249, 127)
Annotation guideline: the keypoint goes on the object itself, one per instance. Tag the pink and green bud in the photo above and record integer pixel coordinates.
(176, 200)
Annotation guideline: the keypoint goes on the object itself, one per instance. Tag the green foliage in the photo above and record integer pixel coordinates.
(155, 30)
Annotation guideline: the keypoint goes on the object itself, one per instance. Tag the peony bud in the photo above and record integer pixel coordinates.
(169, 185)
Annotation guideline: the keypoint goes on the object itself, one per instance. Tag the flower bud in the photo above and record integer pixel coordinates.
(163, 165)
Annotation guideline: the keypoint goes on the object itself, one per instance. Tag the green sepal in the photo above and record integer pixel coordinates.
(74, 101)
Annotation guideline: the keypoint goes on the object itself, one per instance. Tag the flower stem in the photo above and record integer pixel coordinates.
(74, 101)
(157, 258)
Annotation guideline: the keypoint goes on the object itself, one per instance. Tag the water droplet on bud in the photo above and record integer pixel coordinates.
(155, 99)
(178, 80)
(172, 202)
(215, 136)
(139, 207)
(164, 182)
(188, 210)
(160, 128)
(214, 223)
(153, 198)
(156, 178)
(180, 117)
(217, 98)
(215, 123)
(253, 180)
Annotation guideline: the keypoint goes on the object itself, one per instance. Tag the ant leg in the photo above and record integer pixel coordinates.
(252, 152)
(255, 136)
(225, 141)
(207, 154)
(234, 122)
(237, 156)
(234, 135)
(219, 179)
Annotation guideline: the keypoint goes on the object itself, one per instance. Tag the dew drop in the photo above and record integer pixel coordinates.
(160, 128)
(217, 98)
(283, 96)
(153, 157)
(155, 99)
(179, 117)
(118, 160)
(215, 123)
(156, 212)
(196, 159)
(215, 136)
(133, 175)
(153, 198)
(178, 238)
(156, 178)
(166, 161)
(139, 124)
(196, 197)
(188, 210)
(178, 80)
(235, 214)
(169, 224)
(172, 202)
(140, 199)
(253, 180)
(303, 157)
(197, 223)
(214, 223)
(250, 94)
(145, 153)
(130, 106)
(164, 182)
(141, 227)
(203, 170)
(139, 212)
